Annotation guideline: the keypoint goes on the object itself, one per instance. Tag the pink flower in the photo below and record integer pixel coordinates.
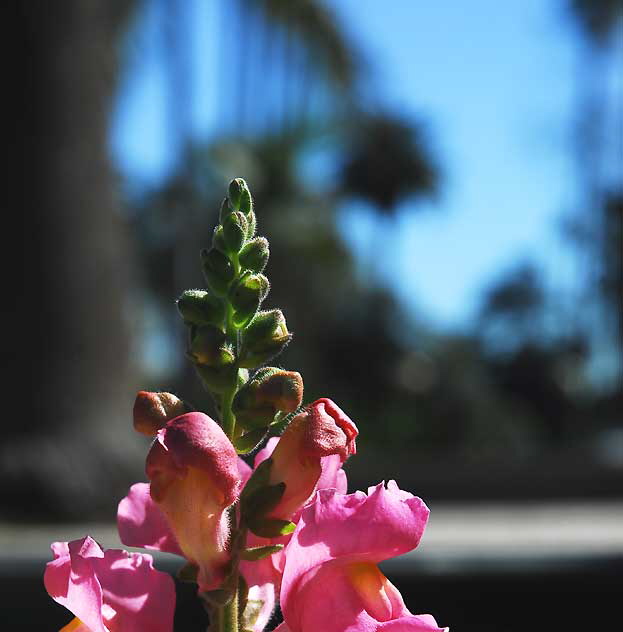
(332, 560)
(264, 576)
(142, 522)
(109, 591)
(193, 468)
(322, 430)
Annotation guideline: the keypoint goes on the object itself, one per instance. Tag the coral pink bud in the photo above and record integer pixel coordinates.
(193, 468)
(153, 410)
(322, 430)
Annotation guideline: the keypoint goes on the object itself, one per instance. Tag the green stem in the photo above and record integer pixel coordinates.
(229, 419)
(225, 618)
(228, 616)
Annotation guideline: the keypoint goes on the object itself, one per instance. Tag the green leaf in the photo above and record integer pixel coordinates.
(271, 527)
(260, 552)
(262, 501)
(258, 479)
(249, 441)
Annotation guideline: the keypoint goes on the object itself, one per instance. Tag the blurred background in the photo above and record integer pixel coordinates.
(442, 187)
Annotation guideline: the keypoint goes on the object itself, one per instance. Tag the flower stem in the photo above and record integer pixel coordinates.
(228, 417)
(228, 616)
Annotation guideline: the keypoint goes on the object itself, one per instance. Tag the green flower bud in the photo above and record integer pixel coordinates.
(265, 337)
(197, 307)
(246, 296)
(218, 379)
(243, 377)
(218, 270)
(234, 231)
(283, 389)
(246, 201)
(225, 210)
(237, 189)
(251, 224)
(208, 347)
(271, 390)
(218, 240)
(254, 255)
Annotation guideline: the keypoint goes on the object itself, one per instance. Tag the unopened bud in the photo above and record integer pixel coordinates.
(246, 297)
(218, 379)
(225, 210)
(197, 307)
(208, 346)
(246, 201)
(322, 430)
(153, 410)
(265, 337)
(271, 390)
(234, 231)
(254, 255)
(236, 191)
(251, 224)
(283, 389)
(218, 240)
(218, 270)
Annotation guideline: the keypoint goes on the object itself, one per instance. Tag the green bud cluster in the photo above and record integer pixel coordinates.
(228, 334)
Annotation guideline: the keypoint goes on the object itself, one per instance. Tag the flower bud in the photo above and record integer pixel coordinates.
(153, 410)
(193, 469)
(283, 389)
(271, 390)
(254, 255)
(218, 240)
(218, 270)
(208, 346)
(265, 337)
(197, 307)
(225, 210)
(251, 224)
(237, 189)
(246, 201)
(218, 379)
(321, 430)
(246, 296)
(234, 231)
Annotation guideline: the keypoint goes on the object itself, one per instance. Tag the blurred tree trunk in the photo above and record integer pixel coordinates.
(68, 345)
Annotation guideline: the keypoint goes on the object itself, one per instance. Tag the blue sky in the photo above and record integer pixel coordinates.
(495, 84)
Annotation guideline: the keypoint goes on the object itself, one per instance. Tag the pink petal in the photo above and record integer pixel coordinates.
(195, 476)
(343, 609)
(141, 523)
(320, 431)
(142, 598)
(412, 623)
(195, 440)
(349, 529)
(331, 430)
(266, 451)
(244, 471)
(110, 591)
(355, 526)
(332, 476)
